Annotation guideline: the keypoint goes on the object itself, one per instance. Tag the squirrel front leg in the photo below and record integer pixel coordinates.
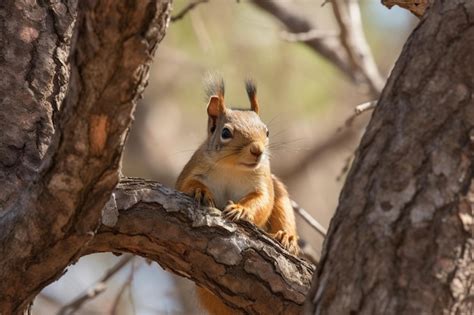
(255, 208)
(198, 191)
(282, 225)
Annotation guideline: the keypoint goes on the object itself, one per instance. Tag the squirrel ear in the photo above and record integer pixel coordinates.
(215, 107)
(254, 104)
(252, 94)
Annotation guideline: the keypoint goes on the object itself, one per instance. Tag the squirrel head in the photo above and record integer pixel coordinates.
(236, 137)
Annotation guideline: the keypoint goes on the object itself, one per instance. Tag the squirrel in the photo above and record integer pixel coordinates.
(231, 171)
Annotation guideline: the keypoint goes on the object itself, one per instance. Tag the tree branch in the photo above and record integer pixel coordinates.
(328, 47)
(96, 289)
(245, 267)
(186, 9)
(351, 55)
(347, 13)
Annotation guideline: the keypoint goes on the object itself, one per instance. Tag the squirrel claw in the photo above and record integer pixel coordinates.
(235, 212)
(203, 197)
(289, 241)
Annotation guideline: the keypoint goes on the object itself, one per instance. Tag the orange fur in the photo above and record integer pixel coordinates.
(213, 304)
(232, 175)
(256, 207)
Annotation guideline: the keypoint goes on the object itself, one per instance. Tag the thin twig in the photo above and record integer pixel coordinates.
(347, 14)
(96, 289)
(325, 2)
(328, 47)
(365, 107)
(358, 110)
(309, 219)
(124, 287)
(186, 9)
(306, 36)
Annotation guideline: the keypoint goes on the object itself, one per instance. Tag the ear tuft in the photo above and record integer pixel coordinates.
(214, 86)
(252, 93)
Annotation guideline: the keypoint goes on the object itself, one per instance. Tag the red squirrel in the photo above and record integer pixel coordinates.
(231, 171)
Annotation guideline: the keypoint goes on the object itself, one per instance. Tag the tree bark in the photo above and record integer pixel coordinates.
(71, 74)
(249, 270)
(401, 241)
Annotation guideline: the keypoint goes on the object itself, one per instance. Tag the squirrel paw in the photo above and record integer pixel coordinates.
(235, 212)
(289, 241)
(203, 197)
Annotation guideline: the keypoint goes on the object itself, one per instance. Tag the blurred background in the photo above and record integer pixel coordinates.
(304, 99)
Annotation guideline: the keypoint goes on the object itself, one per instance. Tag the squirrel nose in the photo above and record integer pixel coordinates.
(256, 149)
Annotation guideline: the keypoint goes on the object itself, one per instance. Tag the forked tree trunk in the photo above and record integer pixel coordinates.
(401, 241)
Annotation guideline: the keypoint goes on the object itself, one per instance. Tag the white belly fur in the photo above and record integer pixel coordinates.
(226, 184)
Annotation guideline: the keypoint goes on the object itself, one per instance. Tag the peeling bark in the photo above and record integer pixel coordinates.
(401, 241)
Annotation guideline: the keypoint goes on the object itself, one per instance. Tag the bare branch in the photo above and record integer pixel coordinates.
(307, 36)
(365, 107)
(125, 285)
(309, 219)
(358, 110)
(328, 47)
(186, 9)
(325, 2)
(351, 54)
(163, 225)
(95, 290)
(347, 13)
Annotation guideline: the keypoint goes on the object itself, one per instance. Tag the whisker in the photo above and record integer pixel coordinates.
(273, 119)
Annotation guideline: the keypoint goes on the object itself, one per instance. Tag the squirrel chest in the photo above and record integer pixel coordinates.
(227, 184)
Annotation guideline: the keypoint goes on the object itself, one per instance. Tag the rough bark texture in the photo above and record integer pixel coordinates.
(250, 271)
(62, 135)
(401, 241)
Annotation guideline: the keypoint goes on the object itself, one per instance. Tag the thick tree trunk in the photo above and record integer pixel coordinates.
(62, 135)
(401, 241)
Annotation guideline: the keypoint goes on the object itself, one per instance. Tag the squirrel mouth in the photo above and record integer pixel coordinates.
(251, 165)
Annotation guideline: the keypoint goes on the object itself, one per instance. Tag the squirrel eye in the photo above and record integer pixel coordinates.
(268, 133)
(226, 134)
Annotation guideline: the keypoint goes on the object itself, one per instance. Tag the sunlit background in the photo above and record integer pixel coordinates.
(304, 100)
